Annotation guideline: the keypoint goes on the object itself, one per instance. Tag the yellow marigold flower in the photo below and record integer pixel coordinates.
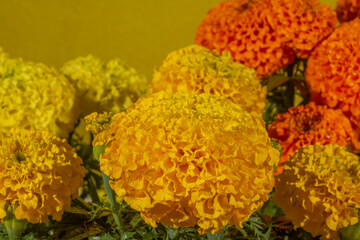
(319, 189)
(39, 174)
(110, 87)
(197, 70)
(33, 96)
(186, 160)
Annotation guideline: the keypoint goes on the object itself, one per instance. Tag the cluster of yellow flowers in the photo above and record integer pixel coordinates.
(39, 174)
(184, 159)
(197, 70)
(319, 189)
(33, 96)
(110, 87)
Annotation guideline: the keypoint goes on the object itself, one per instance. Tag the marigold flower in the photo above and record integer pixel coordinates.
(241, 27)
(39, 173)
(302, 24)
(310, 124)
(109, 87)
(347, 10)
(183, 159)
(332, 72)
(197, 70)
(319, 189)
(33, 96)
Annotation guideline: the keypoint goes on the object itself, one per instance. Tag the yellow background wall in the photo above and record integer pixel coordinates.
(142, 32)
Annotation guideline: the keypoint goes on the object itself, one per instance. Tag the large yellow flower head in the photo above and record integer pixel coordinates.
(39, 174)
(186, 160)
(197, 70)
(33, 96)
(319, 189)
(110, 87)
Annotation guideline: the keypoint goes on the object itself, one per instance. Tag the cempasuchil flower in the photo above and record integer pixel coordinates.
(302, 24)
(319, 189)
(33, 96)
(333, 70)
(347, 10)
(39, 174)
(308, 125)
(186, 160)
(197, 70)
(241, 27)
(109, 87)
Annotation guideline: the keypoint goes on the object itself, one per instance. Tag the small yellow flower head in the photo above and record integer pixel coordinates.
(319, 189)
(197, 70)
(39, 174)
(3, 54)
(110, 87)
(98, 122)
(33, 96)
(186, 160)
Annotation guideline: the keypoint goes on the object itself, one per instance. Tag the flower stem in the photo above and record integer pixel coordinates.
(13, 226)
(98, 150)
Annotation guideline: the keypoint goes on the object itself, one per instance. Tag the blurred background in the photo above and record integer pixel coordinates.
(141, 32)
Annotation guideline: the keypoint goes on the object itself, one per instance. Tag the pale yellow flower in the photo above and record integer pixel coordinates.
(110, 87)
(33, 96)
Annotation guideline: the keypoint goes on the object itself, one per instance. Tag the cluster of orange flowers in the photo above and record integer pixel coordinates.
(266, 34)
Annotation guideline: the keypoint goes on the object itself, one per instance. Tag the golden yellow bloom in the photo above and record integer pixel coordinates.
(33, 96)
(186, 160)
(39, 174)
(109, 87)
(319, 189)
(197, 70)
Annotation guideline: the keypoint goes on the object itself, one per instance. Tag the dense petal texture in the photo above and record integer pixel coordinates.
(310, 124)
(319, 189)
(347, 10)
(187, 160)
(241, 27)
(197, 70)
(333, 70)
(39, 174)
(110, 87)
(302, 24)
(33, 96)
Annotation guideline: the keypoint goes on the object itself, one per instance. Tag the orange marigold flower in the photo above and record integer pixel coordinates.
(319, 189)
(39, 174)
(302, 24)
(347, 10)
(186, 160)
(310, 124)
(197, 70)
(241, 28)
(333, 70)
